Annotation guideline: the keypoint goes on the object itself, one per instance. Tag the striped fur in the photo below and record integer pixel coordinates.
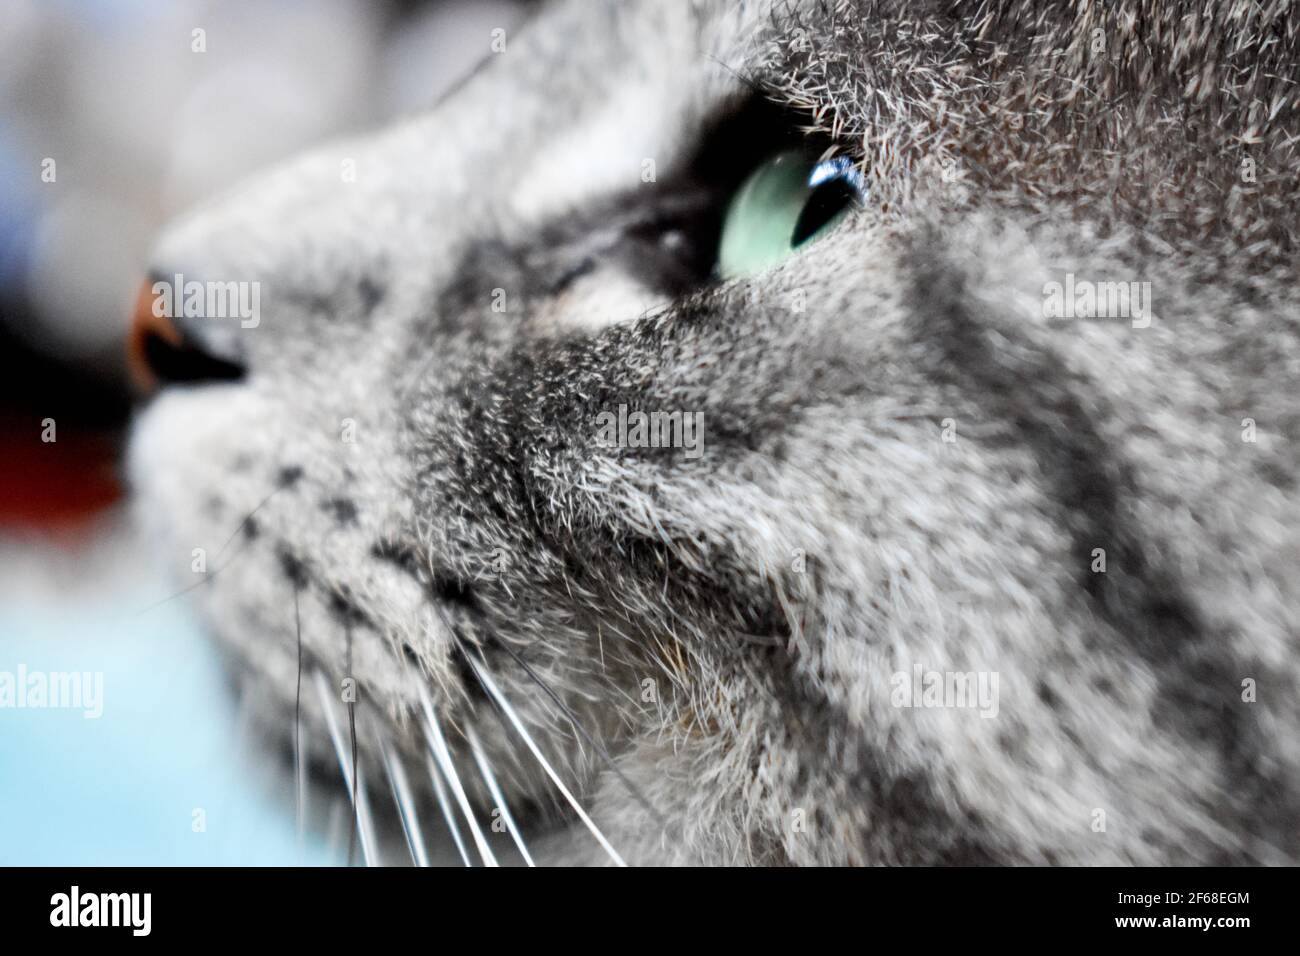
(909, 463)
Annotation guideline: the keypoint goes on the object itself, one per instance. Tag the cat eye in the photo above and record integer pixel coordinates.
(790, 200)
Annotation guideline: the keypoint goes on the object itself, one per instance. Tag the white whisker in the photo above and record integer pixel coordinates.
(490, 686)
(300, 778)
(443, 755)
(299, 765)
(490, 779)
(441, 792)
(405, 805)
(365, 823)
(361, 807)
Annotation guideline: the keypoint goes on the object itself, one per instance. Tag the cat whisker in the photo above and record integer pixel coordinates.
(441, 753)
(506, 708)
(490, 779)
(364, 822)
(352, 735)
(440, 791)
(582, 731)
(301, 798)
(356, 790)
(405, 805)
(209, 575)
(182, 592)
(249, 517)
(299, 767)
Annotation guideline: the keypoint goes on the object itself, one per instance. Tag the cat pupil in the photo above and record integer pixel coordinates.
(827, 201)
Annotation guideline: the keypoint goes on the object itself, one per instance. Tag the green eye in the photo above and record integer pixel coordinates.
(788, 201)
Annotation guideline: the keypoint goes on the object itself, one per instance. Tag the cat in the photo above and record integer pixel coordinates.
(990, 550)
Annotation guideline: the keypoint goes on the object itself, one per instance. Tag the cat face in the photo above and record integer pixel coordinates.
(491, 440)
(360, 464)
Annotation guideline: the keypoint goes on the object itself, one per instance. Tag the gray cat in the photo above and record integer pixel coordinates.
(983, 544)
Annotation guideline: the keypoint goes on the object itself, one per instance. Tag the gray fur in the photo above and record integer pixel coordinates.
(773, 738)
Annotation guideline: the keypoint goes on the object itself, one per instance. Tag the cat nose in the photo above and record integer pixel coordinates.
(167, 347)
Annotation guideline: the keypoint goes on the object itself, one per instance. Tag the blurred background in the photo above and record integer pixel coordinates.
(114, 116)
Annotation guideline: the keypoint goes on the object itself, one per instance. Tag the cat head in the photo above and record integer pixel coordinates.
(466, 420)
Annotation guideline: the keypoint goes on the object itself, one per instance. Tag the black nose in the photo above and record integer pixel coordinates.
(166, 347)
